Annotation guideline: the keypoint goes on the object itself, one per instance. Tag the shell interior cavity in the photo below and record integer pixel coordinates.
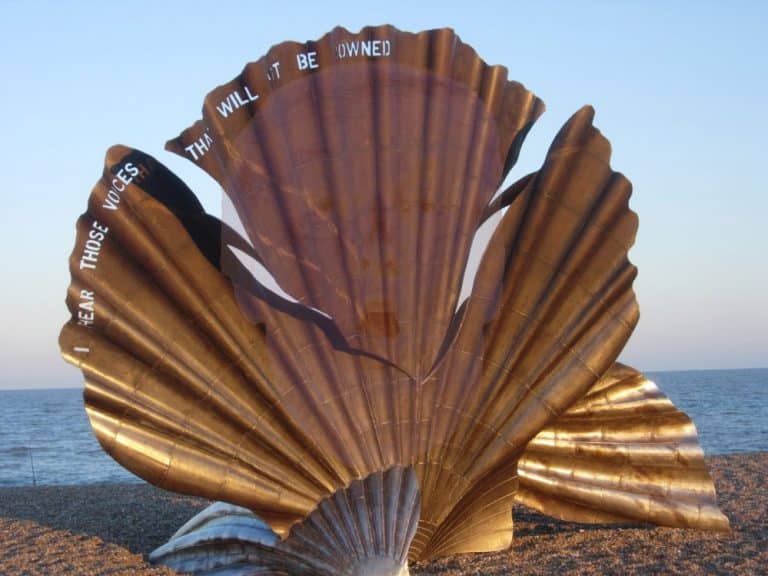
(352, 410)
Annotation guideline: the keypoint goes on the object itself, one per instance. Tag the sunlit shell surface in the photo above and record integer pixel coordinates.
(361, 411)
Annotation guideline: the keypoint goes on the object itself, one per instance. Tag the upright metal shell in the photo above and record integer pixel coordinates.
(360, 167)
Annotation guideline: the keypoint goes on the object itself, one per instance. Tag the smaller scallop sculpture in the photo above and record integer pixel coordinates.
(308, 360)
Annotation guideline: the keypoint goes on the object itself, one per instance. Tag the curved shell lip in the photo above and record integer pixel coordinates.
(372, 29)
(201, 125)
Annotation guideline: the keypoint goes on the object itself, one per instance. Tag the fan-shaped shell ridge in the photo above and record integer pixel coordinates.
(357, 415)
(355, 208)
(550, 310)
(623, 453)
(364, 529)
(362, 416)
(171, 361)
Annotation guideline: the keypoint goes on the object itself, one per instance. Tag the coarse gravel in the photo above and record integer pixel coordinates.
(108, 529)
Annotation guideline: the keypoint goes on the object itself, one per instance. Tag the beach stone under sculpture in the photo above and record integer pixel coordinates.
(354, 411)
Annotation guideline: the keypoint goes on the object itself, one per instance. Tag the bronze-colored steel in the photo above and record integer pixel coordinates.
(360, 167)
(623, 453)
(363, 529)
(360, 185)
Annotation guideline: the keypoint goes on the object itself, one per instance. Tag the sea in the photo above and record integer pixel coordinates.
(45, 438)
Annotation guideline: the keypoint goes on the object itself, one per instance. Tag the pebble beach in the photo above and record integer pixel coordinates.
(110, 528)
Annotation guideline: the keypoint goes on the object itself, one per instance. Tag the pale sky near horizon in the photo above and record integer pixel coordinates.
(680, 89)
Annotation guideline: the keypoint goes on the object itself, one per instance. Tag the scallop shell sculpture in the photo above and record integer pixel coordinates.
(362, 415)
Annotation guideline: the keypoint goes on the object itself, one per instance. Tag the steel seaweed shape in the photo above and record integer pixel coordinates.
(360, 167)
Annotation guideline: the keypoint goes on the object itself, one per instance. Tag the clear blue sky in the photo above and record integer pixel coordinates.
(680, 88)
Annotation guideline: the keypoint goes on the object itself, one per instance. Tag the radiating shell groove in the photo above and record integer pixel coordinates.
(359, 184)
(362, 530)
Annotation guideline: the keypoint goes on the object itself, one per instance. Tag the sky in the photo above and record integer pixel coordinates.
(680, 89)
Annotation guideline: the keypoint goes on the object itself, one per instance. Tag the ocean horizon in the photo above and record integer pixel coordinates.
(45, 437)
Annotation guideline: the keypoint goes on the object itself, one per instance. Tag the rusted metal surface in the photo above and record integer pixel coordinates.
(359, 182)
